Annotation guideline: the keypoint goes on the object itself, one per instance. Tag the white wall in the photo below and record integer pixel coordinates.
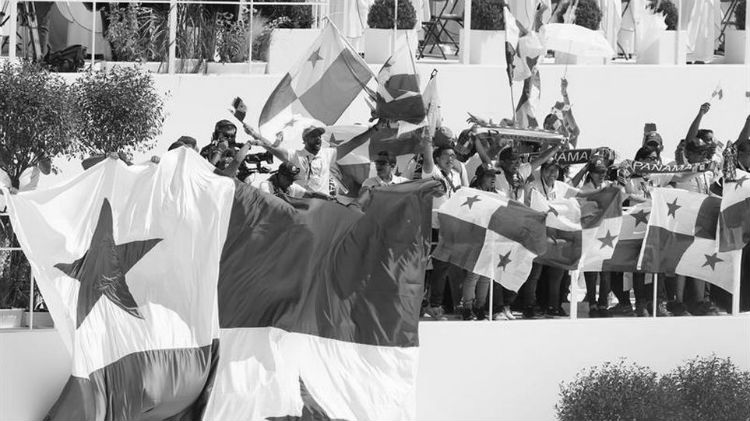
(611, 103)
(467, 370)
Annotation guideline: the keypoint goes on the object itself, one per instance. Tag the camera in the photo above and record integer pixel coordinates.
(258, 158)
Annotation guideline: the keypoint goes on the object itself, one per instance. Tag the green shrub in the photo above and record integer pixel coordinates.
(380, 15)
(669, 10)
(137, 33)
(710, 389)
(707, 389)
(116, 111)
(610, 392)
(488, 15)
(587, 14)
(293, 16)
(739, 14)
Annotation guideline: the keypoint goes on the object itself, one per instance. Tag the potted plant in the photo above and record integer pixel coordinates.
(138, 36)
(286, 34)
(588, 15)
(734, 38)
(233, 44)
(662, 50)
(487, 44)
(118, 111)
(379, 33)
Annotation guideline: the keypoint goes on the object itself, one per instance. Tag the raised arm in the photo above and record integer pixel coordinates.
(544, 156)
(696, 125)
(277, 151)
(428, 165)
(745, 133)
(234, 166)
(570, 121)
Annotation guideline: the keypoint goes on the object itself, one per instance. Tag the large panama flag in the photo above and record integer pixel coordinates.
(489, 235)
(320, 87)
(681, 238)
(620, 239)
(734, 220)
(183, 295)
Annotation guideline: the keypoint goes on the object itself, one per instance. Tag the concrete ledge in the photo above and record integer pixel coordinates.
(467, 370)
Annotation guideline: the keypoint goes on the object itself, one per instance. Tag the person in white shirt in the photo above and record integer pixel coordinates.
(440, 163)
(513, 176)
(317, 164)
(281, 183)
(385, 163)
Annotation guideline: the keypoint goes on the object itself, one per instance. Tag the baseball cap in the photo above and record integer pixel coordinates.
(289, 169)
(312, 131)
(653, 138)
(597, 165)
(482, 171)
(443, 137)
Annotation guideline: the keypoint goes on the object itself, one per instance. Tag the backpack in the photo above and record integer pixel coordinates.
(69, 59)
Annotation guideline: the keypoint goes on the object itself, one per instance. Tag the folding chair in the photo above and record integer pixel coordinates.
(436, 26)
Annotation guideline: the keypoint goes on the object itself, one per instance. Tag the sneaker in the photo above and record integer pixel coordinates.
(480, 314)
(641, 311)
(508, 314)
(603, 312)
(705, 308)
(436, 313)
(467, 314)
(661, 310)
(555, 312)
(531, 313)
(622, 310)
(593, 311)
(499, 316)
(677, 309)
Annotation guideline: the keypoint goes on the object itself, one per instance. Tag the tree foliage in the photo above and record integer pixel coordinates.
(381, 15)
(488, 15)
(36, 118)
(117, 111)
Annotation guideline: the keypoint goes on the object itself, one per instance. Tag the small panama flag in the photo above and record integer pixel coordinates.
(718, 93)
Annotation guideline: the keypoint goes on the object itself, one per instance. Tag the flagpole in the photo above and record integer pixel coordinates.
(492, 296)
(510, 76)
(395, 27)
(654, 295)
(736, 286)
(574, 275)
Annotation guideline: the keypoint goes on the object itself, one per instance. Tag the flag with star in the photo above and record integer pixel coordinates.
(398, 96)
(620, 240)
(321, 86)
(358, 146)
(734, 220)
(128, 260)
(147, 269)
(579, 224)
(489, 235)
(681, 238)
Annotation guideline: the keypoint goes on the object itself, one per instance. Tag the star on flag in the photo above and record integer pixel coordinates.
(673, 208)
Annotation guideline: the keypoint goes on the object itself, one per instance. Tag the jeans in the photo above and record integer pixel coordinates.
(604, 288)
(500, 297)
(527, 292)
(616, 284)
(442, 272)
(548, 291)
(644, 293)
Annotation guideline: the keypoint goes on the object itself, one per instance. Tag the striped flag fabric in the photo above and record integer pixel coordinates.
(579, 224)
(489, 235)
(185, 296)
(734, 219)
(621, 241)
(398, 96)
(433, 119)
(681, 238)
(358, 146)
(321, 86)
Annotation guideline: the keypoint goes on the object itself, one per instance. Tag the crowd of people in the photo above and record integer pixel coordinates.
(312, 172)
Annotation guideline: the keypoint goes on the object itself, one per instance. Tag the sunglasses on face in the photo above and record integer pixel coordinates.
(382, 163)
(228, 136)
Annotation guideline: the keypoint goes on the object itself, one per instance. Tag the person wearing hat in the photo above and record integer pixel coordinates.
(316, 164)
(385, 163)
(281, 183)
(512, 175)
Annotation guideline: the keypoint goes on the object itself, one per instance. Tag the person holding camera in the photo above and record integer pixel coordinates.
(225, 154)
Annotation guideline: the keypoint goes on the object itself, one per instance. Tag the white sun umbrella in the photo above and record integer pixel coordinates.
(576, 40)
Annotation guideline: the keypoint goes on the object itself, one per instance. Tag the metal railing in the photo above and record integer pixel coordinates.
(320, 9)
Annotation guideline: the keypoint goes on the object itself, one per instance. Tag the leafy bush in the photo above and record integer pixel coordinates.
(707, 389)
(116, 111)
(610, 392)
(36, 119)
(669, 10)
(739, 14)
(380, 15)
(232, 44)
(295, 16)
(701, 389)
(137, 33)
(587, 14)
(488, 15)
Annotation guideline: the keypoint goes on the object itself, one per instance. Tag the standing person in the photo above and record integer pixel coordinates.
(596, 171)
(440, 164)
(549, 294)
(476, 287)
(561, 118)
(317, 164)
